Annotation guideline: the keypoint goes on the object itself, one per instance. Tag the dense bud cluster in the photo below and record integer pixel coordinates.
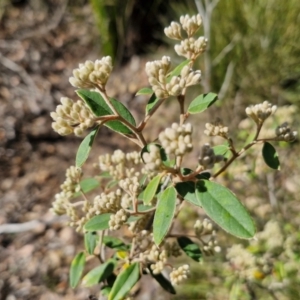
(152, 158)
(118, 219)
(72, 117)
(191, 48)
(177, 140)
(284, 133)
(106, 203)
(173, 31)
(130, 185)
(60, 204)
(260, 112)
(210, 243)
(92, 74)
(191, 24)
(208, 158)
(120, 165)
(71, 184)
(157, 72)
(180, 274)
(216, 129)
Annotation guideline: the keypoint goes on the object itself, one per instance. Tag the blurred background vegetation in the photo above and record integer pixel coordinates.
(259, 40)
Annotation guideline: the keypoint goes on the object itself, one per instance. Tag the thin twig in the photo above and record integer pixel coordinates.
(30, 225)
(9, 64)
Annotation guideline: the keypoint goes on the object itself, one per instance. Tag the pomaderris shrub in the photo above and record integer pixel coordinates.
(144, 191)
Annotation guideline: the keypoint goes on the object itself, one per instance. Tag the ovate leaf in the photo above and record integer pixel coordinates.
(76, 269)
(190, 248)
(99, 107)
(202, 102)
(90, 241)
(88, 184)
(144, 91)
(187, 191)
(85, 147)
(99, 273)
(270, 156)
(151, 103)
(164, 214)
(114, 243)
(151, 189)
(124, 282)
(222, 206)
(222, 150)
(99, 222)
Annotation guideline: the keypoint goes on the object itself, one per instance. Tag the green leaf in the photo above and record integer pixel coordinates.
(222, 150)
(105, 291)
(164, 214)
(187, 190)
(88, 184)
(98, 222)
(202, 175)
(190, 248)
(163, 282)
(85, 147)
(124, 282)
(76, 269)
(99, 273)
(178, 69)
(90, 241)
(99, 107)
(222, 206)
(151, 189)
(144, 91)
(151, 103)
(114, 243)
(270, 156)
(202, 102)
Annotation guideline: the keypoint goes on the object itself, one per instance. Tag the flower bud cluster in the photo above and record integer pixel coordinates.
(173, 31)
(120, 165)
(191, 77)
(177, 140)
(260, 112)
(71, 184)
(106, 203)
(92, 74)
(157, 75)
(191, 24)
(72, 117)
(130, 185)
(152, 158)
(118, 219)
(60, 204)
(208, 158)
(180, 274)
(191, 48)
(159, 257)
(284, 133)
(210, 244)
(216, 129)
(157, 72)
